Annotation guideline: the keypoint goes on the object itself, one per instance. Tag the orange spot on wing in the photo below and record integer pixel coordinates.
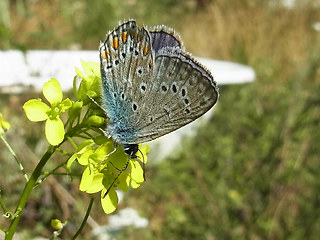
(124, 37)
(145, 49)
(104, 54)
(115, 43)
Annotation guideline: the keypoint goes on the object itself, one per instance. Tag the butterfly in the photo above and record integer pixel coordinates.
(150, 85)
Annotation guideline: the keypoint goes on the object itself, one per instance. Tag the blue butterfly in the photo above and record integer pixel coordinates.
(151, 85)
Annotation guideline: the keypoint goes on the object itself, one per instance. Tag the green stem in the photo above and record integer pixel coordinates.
(33, 181)
(3, 229)
(52, 172)
(15, 157)
(72, 143)
(3, 206)
(27, 191)
(84, 220)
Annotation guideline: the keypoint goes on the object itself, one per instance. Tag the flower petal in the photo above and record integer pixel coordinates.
(110, 202)
(136, 174)
(36, 110)
(4, 126)
(96, 184)
(91, 68)
(52, 91)
(54, 130)
(142, 153)
(65, 104)
(86, 179)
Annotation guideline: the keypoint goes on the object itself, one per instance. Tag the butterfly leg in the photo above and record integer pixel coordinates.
(113, 151)
(95, 102)
(142, 163)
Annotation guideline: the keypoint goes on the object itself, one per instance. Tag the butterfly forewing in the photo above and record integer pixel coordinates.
(126, 61)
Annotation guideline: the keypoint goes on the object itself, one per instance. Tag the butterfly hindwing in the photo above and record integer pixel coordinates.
(163, 37)
(182, 91)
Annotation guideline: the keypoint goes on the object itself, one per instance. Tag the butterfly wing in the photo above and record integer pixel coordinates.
(163, 37)
(182, 90)
(126, 59)
(150, 85)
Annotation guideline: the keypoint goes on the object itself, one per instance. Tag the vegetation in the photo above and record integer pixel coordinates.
(252, 171)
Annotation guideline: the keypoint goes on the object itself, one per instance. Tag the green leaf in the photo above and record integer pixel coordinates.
(54, 130)
(96, 184)
(36, 110)
(52, 91)
(110, 202)
(86, 179)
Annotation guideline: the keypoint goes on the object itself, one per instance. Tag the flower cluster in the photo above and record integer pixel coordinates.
(106, 166)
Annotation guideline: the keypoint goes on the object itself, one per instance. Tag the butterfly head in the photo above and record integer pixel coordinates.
(131, 150)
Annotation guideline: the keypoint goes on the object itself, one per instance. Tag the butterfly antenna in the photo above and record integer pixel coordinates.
(120, 171)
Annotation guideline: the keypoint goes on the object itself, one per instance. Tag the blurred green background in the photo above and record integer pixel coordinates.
(252, 172)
